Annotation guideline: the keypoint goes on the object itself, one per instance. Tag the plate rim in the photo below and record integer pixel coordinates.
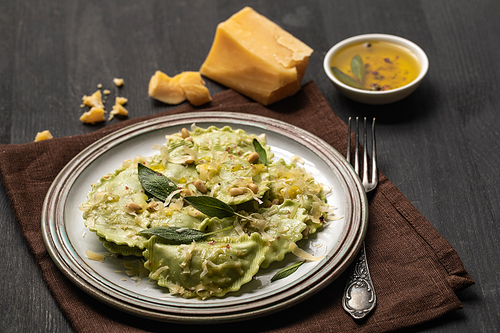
(176, 314)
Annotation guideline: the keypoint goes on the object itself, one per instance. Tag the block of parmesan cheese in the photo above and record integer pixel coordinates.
(257, 58)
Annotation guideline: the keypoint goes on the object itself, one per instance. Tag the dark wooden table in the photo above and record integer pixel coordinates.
(440, 146)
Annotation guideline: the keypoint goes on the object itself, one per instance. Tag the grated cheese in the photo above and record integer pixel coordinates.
(158, 272)
(94, 256)
(298, 159)
(303, 254)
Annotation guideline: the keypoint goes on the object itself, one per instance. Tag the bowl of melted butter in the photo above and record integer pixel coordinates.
(376, 68)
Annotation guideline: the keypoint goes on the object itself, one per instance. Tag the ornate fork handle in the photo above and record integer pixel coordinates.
(359, 295)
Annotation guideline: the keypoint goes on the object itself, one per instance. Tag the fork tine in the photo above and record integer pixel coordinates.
(348, 152)
(356, 149)
(365, 157)
(369, 185)
(374, 156)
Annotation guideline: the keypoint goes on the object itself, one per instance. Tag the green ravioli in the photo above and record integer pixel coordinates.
(205, 269)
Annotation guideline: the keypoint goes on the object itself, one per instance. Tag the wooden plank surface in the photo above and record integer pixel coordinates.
(439, 146)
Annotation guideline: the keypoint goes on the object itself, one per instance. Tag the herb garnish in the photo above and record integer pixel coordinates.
(155, 183)
(287, 271)
(261, 151)
(213, 207)
(178, 235)
(358, 70)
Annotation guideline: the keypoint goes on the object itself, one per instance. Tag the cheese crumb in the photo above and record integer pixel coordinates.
(94, 115)
(118, 108)
(121, 100)
(96, 104)
(45, 135)
(118, 82)
(94, 100)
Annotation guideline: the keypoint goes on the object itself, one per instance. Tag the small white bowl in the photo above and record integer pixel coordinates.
(377, 97)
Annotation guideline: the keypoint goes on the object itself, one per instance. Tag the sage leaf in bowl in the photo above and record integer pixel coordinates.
(357, 67)
(346, 79)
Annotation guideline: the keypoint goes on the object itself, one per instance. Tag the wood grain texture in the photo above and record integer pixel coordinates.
(439, 145)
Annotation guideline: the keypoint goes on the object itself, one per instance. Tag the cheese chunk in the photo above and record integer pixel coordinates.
(119, 110)
(257, 58)
(121, 100)
(194, 88)
(175, 90)
(93, 100)
(118, 81)
(166, 89)
(45, 135)
(94, 115)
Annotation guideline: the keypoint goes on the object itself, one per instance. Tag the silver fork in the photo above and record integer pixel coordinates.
(359, 297)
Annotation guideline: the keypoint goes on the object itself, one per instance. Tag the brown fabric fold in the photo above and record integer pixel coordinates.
(415, 271)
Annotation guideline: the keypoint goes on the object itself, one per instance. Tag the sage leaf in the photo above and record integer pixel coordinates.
(261, 151)
(175, 235)
(287, 271)
(178, 235)
(344, 78)
(357, 67)
(155, 183)
(211, 206)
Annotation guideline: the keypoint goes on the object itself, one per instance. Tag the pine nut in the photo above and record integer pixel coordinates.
(200, 186)
(253, 187)
(276, 202)
(184, 133)
(305, 232)
(134, 206)
(235, 191)
(190, 160)
(253, 157)
(152, 206)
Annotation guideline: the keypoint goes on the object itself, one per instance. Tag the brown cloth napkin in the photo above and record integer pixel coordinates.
(415, 271)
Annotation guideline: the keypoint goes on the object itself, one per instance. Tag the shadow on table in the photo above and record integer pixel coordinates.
(420, 104)
(451, 320)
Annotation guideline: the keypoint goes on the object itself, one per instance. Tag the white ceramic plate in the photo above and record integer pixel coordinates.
(66, 237)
